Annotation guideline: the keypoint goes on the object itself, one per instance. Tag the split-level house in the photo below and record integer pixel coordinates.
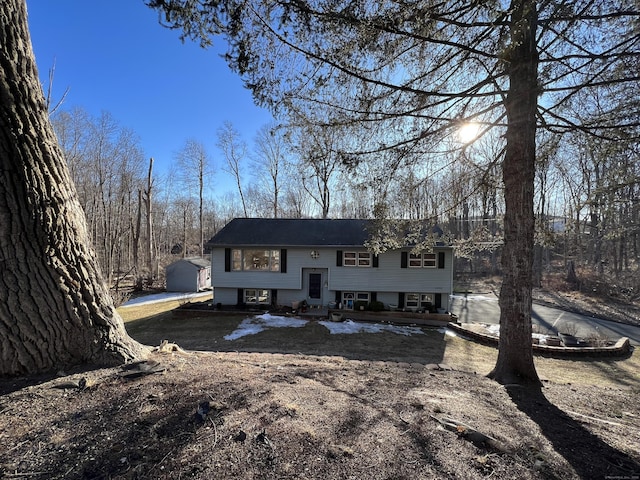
(324, 262)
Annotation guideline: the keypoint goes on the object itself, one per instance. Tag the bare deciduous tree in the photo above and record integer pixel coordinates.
(234, 150)
(271, 161)
(195, 169)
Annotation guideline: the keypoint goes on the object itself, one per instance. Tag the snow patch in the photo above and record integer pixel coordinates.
(349, 326)
(474, 298)
(493, 329)
(257, 324)
(447, 331)
(164, 297)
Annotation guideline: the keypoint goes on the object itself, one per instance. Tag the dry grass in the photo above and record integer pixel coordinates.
(153, 323)
(141, 312)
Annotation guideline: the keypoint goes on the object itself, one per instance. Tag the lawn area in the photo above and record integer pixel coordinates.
(152, 323)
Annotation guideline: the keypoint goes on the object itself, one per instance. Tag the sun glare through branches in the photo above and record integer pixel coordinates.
(468, 132)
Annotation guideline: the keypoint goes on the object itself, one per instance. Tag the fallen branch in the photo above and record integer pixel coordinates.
(142, 368)
(26, 474)
(468, 433)
(601, 420)
(215, 433)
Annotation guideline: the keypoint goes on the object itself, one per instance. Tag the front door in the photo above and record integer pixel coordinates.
(315, 288)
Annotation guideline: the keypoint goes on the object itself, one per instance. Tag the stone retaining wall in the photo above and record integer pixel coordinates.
(622, 346)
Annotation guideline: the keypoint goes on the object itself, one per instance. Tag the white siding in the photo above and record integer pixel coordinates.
(390, 277)
(225, 296)
(386, 280)
(297, 259)
(182, 276)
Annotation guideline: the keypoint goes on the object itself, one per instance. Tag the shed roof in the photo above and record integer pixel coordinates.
(197, 261)
(294, 232)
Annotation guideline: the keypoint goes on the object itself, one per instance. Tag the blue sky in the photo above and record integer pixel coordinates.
(114, 56)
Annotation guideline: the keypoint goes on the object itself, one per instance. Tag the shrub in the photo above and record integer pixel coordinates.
(376, 306)
(360, 303)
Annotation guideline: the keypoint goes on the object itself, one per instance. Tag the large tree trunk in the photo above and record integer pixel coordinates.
(515, 357)
(55, 310)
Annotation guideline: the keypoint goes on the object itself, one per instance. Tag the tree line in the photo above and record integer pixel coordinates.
(141, 219)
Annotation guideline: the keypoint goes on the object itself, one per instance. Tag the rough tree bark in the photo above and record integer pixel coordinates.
(515, 355)
(55, 310)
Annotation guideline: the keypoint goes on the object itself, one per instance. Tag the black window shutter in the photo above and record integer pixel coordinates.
(338, 296)
(440, 259)
(401, 300)
(403, 259)
(227, 259)
(338, 258)
(438, 300)
(375, 261)
(283, 260)
(240, 297)
(374, 297)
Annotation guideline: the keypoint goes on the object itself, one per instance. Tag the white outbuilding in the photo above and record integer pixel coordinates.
(189, 275)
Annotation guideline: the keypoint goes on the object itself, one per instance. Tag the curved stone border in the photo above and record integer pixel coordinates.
(621, 348)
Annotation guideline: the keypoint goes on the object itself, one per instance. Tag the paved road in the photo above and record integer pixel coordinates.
(484, 308)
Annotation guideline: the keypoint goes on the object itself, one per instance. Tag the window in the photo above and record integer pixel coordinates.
(364, 259)
(255, 260)
(418, 300)
(415, 260)
(422, 260)
(347, 300)
(350, 259)
(429, 260)
(412, 300)
(362, 296)
(236, 260)
(254, 296)
(350, 298)
(356, 259)
(426, 300)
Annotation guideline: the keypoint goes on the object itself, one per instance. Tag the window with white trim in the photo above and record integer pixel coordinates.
(412, 300)
(255, 260)
(426, 300)
(349, 299)
(363, 296)
(356, 259)
(419, 300)
(423, 260)
(256, 296)
(236, 260)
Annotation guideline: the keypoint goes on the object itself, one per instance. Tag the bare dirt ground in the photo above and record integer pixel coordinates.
(316, 406)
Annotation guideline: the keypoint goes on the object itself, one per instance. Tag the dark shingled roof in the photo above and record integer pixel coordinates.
(290, 232)
(295, 232)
